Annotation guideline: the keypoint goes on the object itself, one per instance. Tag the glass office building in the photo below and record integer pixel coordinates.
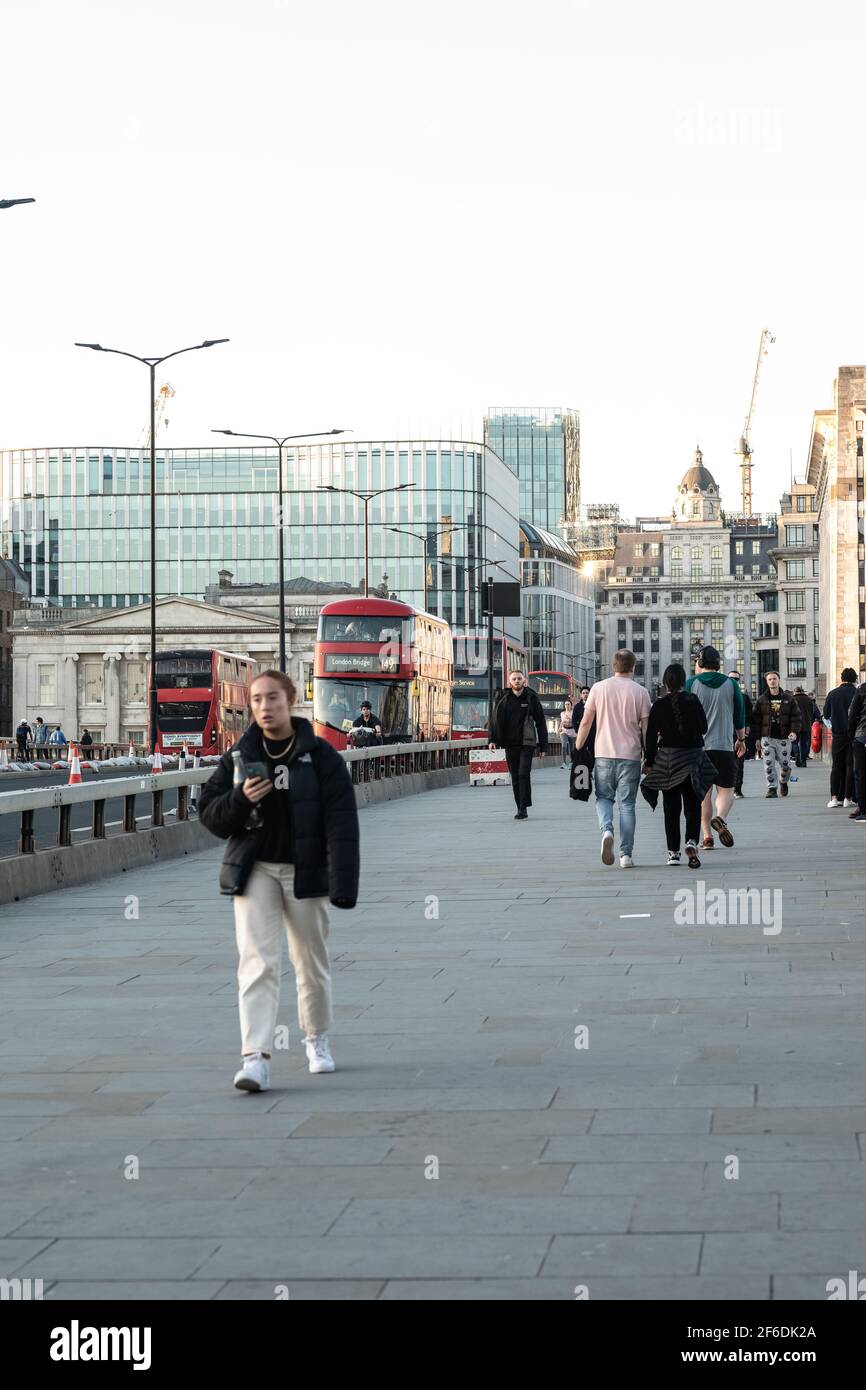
(77, 520)
(542, 446)
(558, 604)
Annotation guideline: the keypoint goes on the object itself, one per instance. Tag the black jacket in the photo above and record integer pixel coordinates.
(857, 715)
(789, 718)
(836, 708)
(664, 727)
(499, 733)
(324, 815)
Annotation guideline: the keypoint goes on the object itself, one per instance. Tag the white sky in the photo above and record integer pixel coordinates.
(401, 214)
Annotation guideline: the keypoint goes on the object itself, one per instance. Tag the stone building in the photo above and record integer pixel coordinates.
(14, 593)
(835, 471)
(678, 583)
(796, 592)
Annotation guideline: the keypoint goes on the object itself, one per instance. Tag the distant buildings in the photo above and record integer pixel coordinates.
(542, 446)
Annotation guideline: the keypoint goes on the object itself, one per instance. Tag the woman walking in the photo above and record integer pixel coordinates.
(567, 732)
(284, 800)
(677, 765)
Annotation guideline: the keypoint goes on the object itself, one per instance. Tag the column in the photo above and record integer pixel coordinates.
(112, 696)
(69, 701)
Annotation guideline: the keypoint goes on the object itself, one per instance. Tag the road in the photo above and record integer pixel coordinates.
(45, 822)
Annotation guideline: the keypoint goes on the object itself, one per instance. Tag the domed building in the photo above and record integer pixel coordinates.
(698, 499)
(681, 582)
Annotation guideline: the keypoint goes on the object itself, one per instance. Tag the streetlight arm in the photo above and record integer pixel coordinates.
(275, 438)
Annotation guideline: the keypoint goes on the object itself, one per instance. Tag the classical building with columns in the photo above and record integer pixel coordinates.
(90, 671)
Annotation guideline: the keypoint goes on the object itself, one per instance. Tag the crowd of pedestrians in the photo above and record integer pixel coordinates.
(29, 738)
(690, 746)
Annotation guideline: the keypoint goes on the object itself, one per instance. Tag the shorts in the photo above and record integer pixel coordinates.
(725, 765)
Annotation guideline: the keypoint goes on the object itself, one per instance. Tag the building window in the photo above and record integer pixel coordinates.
(796, 666)
(796, 569)
(716, 553)
(676, 570)
(756, 547)
(90, 683)
(815, 569)
(801, 502)
(676, 552)
(796, 600)
(816, 600)
(796, 634)
(135, 736)
(738, 547)
(46, 684)
(715, 572)
(795, 535)
(135, 682)
(676, 597)
(655, 548)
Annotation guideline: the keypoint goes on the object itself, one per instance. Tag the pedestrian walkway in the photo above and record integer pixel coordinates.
(472, 1144)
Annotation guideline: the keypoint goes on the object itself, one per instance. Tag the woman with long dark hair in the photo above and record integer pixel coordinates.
(284, 800)
(676, 763)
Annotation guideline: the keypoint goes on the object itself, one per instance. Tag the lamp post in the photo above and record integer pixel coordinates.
(424, 539)
(366, 498)
(280, 441)
(13, 202)
(482, 560)
(152, 363)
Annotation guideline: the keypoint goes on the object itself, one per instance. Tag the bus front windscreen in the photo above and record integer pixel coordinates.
(337, 704)
(468, 711)
(183, 716)
(550, 685)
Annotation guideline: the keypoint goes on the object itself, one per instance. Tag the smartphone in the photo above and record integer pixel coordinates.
(257, 770)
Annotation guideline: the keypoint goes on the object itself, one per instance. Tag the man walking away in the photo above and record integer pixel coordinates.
(519, 726)
(857, 735)
(836, 707)
(804, 737)
(22, 737)
(750, 747)
(776, 725)
(619, 709)
(725, 709)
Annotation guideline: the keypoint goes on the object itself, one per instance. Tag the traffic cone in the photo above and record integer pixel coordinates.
(74, 768)
(157, 761)
(131, 753)
(4, 755)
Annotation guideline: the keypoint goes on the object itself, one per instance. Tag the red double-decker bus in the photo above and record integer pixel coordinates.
(395, 656)
(202, 699)
(470, 694)
(553, 688)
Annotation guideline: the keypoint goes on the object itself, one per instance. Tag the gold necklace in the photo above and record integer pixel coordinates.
(275, 757)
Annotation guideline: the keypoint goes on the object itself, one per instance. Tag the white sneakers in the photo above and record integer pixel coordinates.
(847, 802)
(833, 803)
(673, 858)
(626, 861)
(255, 1074)
(607, 847)
(319, 1054)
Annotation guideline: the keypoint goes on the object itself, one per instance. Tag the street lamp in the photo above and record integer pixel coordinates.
(152, 363)
(424, 539)
(13, 202)
(366, 498)
(280, 441)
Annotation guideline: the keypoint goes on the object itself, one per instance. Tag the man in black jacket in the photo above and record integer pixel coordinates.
(857, 737)
(282, 866)
(836, 707)
(519, 727)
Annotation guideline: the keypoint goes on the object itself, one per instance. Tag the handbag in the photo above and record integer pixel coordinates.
(530, 733)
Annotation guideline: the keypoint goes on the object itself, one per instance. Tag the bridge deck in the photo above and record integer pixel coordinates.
(558, 1166)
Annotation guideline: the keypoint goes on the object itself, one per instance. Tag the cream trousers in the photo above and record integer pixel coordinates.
(263, 912)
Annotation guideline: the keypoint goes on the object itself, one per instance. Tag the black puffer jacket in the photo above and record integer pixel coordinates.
(324, 818)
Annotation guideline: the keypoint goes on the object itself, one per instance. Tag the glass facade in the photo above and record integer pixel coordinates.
(77, 520)
(558, 606)
(542, 445)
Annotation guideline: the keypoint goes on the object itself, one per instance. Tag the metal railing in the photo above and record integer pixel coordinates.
(365, 765)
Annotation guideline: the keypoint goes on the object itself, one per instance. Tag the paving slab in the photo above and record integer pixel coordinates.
(581, 1076)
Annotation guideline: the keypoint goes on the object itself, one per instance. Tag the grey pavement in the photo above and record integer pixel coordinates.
(551, 1083)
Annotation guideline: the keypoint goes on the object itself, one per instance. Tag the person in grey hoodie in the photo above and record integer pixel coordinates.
(725, 710)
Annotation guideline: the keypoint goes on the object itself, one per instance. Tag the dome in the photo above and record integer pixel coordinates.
(698, 478)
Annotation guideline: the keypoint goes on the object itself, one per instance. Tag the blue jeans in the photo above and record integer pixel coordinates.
(617, 779)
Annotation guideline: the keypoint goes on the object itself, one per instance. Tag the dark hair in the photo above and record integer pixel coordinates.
(771, 671)
(673, 681)
(709, 658)
(281, 678)
(849, 674)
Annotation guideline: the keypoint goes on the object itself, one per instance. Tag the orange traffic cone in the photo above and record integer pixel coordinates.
(74, 767)
(131, 753)
(157, 761)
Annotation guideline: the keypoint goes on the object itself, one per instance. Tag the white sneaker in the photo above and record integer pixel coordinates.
(626, 861)
(673, 857)
(846, 803)
(319, 1053)
(255, 1074)
(607, 847)
(833, 803)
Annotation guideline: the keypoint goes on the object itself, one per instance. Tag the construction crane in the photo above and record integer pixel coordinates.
(744, 448)
(163, 395)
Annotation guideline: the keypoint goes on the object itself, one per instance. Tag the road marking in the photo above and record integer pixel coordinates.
(635, 914)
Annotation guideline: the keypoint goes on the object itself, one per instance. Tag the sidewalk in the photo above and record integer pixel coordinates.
(558, 1165)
